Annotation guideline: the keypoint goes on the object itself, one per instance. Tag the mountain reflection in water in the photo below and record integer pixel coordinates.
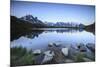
(39, 39)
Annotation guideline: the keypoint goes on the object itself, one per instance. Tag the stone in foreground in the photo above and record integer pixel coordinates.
(48, 56)
(37, 51)
(65, 51)
(50, 44)
(82, 47)
(91, 47)
(57, 44)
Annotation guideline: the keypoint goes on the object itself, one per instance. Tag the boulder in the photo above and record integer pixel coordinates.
(65, 51)
(48, 56)
(72, 52)
(37, 51)
(50, 44)
(57, 44)
(91, 47)
(82, 47)
(38, 59)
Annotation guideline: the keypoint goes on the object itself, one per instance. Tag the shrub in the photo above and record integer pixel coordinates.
(21, 56)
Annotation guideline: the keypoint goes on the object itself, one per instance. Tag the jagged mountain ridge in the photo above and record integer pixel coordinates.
(40, 24)
(31, 19)
(19, 26)
(35, 20)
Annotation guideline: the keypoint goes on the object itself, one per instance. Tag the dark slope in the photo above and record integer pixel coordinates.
(19, 26)
(91, 28)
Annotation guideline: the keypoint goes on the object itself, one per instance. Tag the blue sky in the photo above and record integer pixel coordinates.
(52, 12)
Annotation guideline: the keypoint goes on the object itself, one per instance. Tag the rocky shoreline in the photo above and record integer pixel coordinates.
(57, 54)
(54, 54)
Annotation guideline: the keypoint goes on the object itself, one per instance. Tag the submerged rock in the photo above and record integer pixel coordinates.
(54, 44)
(65, 51)
(50, 44)
(73, 52)
(39, 58)
(48, 56)
(37, 51)
(82, 47)
(57, 44)
(91, 47)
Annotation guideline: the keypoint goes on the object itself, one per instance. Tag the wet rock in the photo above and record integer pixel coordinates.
(91, 47)
(48, 56)
(82, 48)
(37, 52)
(50, 44)
(39, 58)
(65, 51)
(72, 52)
(57, 44)
(90, 55)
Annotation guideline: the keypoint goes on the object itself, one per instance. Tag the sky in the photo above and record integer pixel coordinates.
(53, 12)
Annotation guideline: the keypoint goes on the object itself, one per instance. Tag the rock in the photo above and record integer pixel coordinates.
(91, 47)
(48, 56)
(72, 52)
(49, 53)
(37, 51)
(82, 47)
(65, 51)
(50, 44)
(57, 44)
(38, 59)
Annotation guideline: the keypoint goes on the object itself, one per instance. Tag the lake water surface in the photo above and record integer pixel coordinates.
(39, 39)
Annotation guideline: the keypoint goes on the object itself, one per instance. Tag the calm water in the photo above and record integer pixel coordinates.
(39, 39)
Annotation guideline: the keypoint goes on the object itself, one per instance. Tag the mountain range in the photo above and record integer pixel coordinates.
(27, 23)
(39, 23)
